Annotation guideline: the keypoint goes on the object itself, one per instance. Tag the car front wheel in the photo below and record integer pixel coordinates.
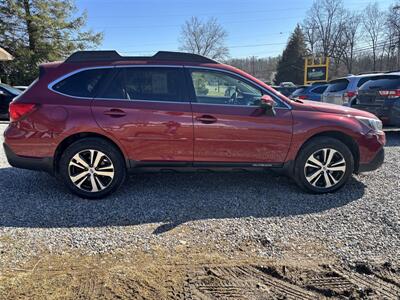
(323, 165)
(92, 168)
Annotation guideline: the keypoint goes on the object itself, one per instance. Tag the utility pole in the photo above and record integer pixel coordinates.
(396, 9)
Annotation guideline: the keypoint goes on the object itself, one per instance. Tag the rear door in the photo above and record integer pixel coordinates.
(228, 124)
(146, 108)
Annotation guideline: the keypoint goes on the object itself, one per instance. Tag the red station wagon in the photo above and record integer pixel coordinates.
(96, 116)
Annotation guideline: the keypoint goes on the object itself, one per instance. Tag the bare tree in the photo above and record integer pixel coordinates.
(393, 32)
(326, 19)
(346, 46)
(204, 38)
(373, 24)
(310, 35)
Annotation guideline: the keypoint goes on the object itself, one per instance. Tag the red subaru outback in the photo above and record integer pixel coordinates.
(96, 116)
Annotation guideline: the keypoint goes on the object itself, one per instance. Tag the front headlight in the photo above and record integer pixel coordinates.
(374, 124)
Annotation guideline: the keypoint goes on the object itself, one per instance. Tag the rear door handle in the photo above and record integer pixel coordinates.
(206, 119)
(115, 113)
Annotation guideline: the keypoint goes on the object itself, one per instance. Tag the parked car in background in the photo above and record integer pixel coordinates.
(309, 92)
(7, 94)
(98, 115)
(285, 90)
(380, 95)
(20, 87)
(287, 84)
(343, 90)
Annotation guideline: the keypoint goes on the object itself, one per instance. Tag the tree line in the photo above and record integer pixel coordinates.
(37, 31)
(356, 41)
(40, 31)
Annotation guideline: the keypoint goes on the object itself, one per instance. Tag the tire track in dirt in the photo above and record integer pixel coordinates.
(378, 285)
(240, 282)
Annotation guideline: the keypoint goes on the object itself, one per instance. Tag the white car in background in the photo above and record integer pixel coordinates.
(342, 91)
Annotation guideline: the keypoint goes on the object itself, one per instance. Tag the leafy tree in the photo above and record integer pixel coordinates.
(37, 31)
(291, 64)
(204, 38)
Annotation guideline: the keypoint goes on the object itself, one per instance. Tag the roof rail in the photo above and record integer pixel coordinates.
(392, 71)
(112, 55)
(370, 72)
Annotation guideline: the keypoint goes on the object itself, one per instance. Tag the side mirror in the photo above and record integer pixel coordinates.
(2, 93)
(267, 105)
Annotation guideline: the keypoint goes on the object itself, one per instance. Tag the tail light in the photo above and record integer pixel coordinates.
(348, 95)
(390, 93)
(19, 110)
(302, 97)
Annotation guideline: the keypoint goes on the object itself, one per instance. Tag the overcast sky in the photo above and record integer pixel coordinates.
(255, 27)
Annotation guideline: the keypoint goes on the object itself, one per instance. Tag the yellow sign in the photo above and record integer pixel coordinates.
(315, 69)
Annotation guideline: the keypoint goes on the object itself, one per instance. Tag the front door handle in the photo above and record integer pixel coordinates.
(115, 113)
(206, 119)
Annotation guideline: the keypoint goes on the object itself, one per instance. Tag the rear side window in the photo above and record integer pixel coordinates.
(320, 89)
(157, 84)
(386, 82)
(337, 85)
(299, 91)
(82, 84)
(362, 81)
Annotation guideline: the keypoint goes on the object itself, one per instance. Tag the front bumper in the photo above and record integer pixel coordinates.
(31, 163)
(374, 164)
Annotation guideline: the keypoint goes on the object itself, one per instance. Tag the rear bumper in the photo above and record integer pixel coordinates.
(31, 163)
(388, 113)
(374, 164)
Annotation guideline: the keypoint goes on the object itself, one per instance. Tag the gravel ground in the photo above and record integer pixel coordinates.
(261, 212)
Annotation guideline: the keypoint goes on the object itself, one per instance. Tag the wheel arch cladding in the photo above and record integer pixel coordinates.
(82, 135)
(344, 138)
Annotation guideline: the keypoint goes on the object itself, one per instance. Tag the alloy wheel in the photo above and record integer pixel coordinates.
(325, 168)
(91, 170)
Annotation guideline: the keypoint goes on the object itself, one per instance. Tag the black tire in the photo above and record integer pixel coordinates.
(315, 147)
(112, 156)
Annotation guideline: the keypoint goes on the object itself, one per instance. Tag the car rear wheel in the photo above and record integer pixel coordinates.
(92, 168)
(323, 165)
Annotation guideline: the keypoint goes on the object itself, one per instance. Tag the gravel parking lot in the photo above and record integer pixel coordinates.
(259, 214)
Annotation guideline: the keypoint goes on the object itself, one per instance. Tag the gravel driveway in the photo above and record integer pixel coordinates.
(226, 210)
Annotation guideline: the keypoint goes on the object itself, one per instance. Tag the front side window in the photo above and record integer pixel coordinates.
(214, 87)
(153, 84)
(82, 84)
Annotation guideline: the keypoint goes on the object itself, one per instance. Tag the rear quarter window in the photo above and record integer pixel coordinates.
(362, 81)
(337, 85)
(320, 89)
(299, 91)
(382, 82)
(83, 84)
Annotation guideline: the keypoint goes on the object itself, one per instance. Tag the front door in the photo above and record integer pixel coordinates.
(147, 110)
(229, 126)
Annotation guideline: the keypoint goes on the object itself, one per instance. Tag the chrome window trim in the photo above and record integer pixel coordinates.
(234, 105)
(138, 100)
(245, 79)
(54, 82)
